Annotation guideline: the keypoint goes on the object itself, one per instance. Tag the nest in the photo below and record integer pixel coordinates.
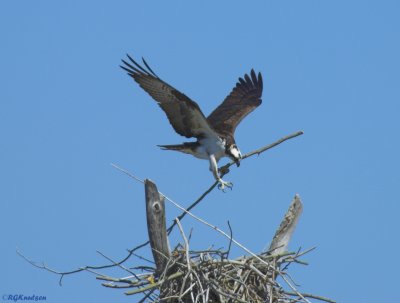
(210, 276)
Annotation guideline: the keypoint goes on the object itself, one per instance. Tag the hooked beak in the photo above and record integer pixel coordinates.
(237, 161)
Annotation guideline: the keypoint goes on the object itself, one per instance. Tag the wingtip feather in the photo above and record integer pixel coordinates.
(138, 68)
(254, 77)
(149, 68)
(247, 78)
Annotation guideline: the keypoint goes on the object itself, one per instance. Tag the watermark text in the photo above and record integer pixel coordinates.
(19, 297)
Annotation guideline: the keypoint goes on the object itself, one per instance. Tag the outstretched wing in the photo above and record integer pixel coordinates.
(184, 114)
(242, 100)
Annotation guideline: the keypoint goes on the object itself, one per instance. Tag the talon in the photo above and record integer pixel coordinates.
(223, 184)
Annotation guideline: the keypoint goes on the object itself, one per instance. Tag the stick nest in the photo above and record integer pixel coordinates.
(210, 276)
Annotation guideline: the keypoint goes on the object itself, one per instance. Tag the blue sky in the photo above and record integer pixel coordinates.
(330, 68)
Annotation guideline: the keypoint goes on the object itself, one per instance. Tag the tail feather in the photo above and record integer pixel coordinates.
(172, 147)
(187, 147)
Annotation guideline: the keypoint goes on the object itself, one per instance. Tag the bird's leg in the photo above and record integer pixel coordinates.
(214, 169)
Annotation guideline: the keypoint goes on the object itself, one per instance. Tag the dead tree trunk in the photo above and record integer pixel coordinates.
(284, 233)
(155, 213)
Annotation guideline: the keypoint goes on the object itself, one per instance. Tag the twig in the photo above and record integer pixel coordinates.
(80, 269)
(263, 149)
(293, 288)
(310, 296)
(147, 296)
(186, 243)
(127, 173)
(230, 240)
(180, 217)
(116, 264)
(110, 285)
(269, 146)
(155, 285)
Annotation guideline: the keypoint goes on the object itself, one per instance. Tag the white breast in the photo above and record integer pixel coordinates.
(211, 146)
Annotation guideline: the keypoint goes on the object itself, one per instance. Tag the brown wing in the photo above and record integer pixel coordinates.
(242, 100)
(184, 114)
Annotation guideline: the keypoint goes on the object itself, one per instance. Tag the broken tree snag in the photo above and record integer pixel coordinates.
(155, 213)
(284, 233)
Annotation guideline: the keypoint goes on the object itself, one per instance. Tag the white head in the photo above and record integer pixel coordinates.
(234, 153)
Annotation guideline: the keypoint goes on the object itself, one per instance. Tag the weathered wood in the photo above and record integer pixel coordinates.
(156, 227)
(284, 233)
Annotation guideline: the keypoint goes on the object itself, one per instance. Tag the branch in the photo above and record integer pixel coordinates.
(310, 296)
(269, 146)
(155, 285)
(180, 217)
(225, 169)
(261, 150)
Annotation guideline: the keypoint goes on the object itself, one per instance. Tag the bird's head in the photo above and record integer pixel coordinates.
(234, 153)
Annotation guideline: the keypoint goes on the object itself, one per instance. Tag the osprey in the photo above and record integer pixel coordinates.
(214, 134)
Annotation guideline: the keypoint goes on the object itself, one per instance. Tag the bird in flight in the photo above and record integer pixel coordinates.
(215, 133)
